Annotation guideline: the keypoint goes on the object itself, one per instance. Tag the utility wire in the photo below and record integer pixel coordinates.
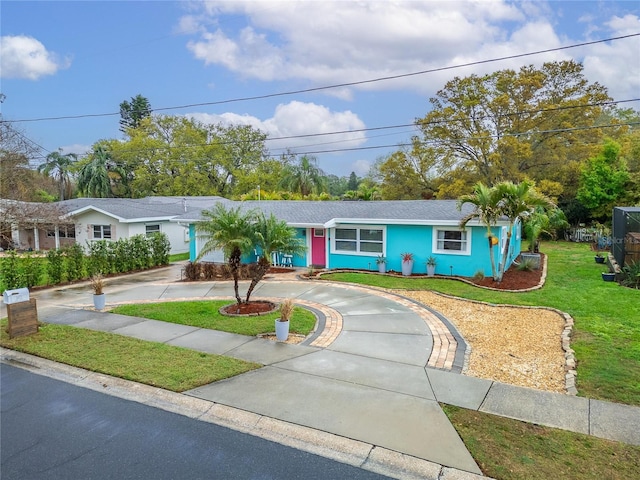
(342, 85)
(400, 145)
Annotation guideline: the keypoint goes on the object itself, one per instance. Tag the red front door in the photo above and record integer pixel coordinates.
(318, 247)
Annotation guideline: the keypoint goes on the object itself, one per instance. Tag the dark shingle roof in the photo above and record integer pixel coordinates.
(300, 212)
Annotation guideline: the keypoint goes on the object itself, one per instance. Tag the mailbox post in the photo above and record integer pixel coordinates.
(22, 312)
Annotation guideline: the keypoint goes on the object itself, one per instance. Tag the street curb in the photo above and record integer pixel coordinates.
(341, 449)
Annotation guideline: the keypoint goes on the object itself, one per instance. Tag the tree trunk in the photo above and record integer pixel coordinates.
(234, 264)
(504, 256)
(492, 258)
(260, 271)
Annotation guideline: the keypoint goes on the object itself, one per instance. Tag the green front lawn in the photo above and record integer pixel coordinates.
(606, 336)
(508, 449)
(157, 364)
(205, 314)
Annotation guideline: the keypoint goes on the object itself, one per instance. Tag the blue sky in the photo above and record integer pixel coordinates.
(83, 58)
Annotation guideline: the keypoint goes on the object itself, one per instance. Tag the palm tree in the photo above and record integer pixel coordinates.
(518, 201)
(95, 177)
(230, 231)
(59, 167)
(306, 177)
(486, 201)
(272, 235)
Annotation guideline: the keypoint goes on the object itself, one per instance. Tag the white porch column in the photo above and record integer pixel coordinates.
(57, 233)
(15, 235)
(36, 239)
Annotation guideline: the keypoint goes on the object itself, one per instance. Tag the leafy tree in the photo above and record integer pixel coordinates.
(510, 125)
(172, 155)
(486, 202)
(271, 235)
(132, 113)
(409, 173)
(353, 181)
(60, 167)
(305, 177)
(506, 199)
(336, 186)
(603, 180)
(542, 221)
(231, 231)
(517, 202)
(18, 181)
(99, 174)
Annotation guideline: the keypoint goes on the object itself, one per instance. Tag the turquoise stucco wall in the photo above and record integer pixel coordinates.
(297, 261)
(192, 242)
(417, 239)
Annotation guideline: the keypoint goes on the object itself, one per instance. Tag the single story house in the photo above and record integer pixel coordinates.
(337, 234)
(353, 234)
(43, 226)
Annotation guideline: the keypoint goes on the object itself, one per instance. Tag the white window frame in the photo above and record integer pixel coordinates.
(148, 233)
(358, 229)
(320, 231)
(102, 229)
(436, 248)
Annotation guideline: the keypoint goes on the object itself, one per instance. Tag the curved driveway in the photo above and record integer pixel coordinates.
(363, 376)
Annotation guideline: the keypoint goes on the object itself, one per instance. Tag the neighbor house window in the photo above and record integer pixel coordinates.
(102, 232)
(151, 229)
(359, 240)
(452, 241)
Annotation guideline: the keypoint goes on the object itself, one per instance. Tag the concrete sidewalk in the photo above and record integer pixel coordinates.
(365, 375)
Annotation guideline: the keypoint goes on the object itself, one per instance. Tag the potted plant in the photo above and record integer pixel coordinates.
(282, 323)
(407, 263)
(599, 258)
(431, 265)
(608, 276)
(99, 298)
(382, 264)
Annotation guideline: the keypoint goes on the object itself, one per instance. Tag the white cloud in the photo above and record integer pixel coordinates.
(26, 57)
(336, 42)
(361, 167)
(617, 64)
(295, 119)
(77, 148)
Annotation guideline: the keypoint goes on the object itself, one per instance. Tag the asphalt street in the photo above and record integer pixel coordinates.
(55, 430)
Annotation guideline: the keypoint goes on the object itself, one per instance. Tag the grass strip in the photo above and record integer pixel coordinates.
(172, 368)
(508, 449)
(606, 335)
(205, 314)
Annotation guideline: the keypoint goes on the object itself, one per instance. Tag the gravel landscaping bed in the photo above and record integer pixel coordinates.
(518, 346)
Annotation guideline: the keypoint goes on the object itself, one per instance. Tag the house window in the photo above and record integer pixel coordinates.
(359, 240)
(152, 229)
(64, 231)
(318, 232)
(452, 242)
(102, 232)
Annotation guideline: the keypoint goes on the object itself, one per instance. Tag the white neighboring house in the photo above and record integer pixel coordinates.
(111, 219)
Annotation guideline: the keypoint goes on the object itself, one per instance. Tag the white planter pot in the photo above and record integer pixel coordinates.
(382, 267)
(431, 270)
(99, 301)
(407, 268)
(282, 330)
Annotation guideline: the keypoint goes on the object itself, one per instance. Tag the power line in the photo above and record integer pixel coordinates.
(342, 85)
(399, 145)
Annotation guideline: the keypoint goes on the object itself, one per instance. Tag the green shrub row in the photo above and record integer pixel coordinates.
(73, 263)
